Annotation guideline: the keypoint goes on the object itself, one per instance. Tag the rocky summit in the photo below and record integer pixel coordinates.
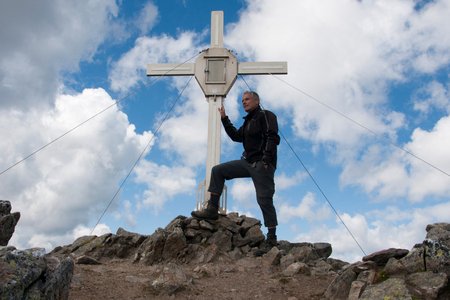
(192, 259)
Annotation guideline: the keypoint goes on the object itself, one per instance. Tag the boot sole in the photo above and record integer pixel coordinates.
(193, 214)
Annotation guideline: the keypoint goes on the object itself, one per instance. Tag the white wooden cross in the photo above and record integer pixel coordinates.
(215, 70)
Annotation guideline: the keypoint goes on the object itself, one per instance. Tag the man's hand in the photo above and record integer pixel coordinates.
(222, 112)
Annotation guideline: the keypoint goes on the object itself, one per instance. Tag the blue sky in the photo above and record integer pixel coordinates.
(366, 79)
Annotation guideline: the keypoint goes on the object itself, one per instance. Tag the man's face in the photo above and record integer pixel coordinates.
(249, 102)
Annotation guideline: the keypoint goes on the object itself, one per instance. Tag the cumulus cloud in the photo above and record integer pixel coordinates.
(393, 227)
(395, 174)
(70, 182)
(129, 70)
(163, 182)
(284, 181)
(51, 37)
(243, 192)
(307, 208)
(434, 96)
(346, 67)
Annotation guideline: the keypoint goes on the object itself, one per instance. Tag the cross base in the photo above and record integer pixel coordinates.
(203, 197)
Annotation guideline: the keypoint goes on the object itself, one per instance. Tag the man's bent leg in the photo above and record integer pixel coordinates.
(220, 173)
(227, 171)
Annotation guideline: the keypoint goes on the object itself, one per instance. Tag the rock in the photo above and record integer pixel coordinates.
(171, 280)
(304, 253)
(287, 260)
(272, 258)
(28, 274)
(320, 268)
(421, 273)
(178, 222)
(206, 225)
(55, 283)
(356, 289)
(296, 268)
(367, 276)
(174, 245)
(392, 288)
(341, 285)
(8, 222)
(20, 269)
(382, 257)
(413, 262)
(134, 238)
(151, 250)
(5, 207)
(437, 256)
(394, 266)
(222, 239)
(87, 260)
(427, 285)
(323, 250)
(439, 232)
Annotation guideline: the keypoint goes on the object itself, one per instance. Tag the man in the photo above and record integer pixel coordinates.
(259, 135)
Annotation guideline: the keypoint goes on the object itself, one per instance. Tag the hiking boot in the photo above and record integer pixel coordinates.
(209, 213)
(266, 245)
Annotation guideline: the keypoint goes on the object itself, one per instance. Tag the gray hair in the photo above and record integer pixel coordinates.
(254, 95)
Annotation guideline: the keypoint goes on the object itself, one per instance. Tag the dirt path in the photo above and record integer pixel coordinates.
(248, 278)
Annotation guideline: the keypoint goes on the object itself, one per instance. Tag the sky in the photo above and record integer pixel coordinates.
(363, 113)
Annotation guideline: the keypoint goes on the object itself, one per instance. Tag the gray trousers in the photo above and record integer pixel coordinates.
(263, 180)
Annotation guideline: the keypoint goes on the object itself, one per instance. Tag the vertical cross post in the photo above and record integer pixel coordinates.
(215, 70)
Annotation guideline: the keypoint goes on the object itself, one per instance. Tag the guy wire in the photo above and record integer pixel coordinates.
(315, 183)
(362, 126)
(140, 155)
(88, 119)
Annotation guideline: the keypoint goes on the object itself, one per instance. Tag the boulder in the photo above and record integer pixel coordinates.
(171, 280)
(421, 273)
(8, 222)
(29, 274)
(382, 257)
(392, 288)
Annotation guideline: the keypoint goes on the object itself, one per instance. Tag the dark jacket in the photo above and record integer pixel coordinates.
(259, 135)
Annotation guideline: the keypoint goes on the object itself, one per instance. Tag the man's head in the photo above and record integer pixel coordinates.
(250, 100)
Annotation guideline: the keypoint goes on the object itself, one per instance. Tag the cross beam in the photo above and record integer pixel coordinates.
(215, 70)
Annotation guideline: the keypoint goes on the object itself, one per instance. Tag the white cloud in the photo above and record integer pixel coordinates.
(433, 96)
(284, 181)
(307, 208)
(348, 66)
(392, 227)
(163, 182)
(147, 17)
(130, 69)
(70, 182)
(243, 192)
(392, 174)
(51, 37)
(81, 230)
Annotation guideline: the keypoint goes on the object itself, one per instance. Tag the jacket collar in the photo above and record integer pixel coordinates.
(250, 114)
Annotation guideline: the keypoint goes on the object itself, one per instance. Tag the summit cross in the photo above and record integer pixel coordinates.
(215, 70)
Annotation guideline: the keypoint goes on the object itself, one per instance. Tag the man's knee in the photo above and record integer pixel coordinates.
(217, 169)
